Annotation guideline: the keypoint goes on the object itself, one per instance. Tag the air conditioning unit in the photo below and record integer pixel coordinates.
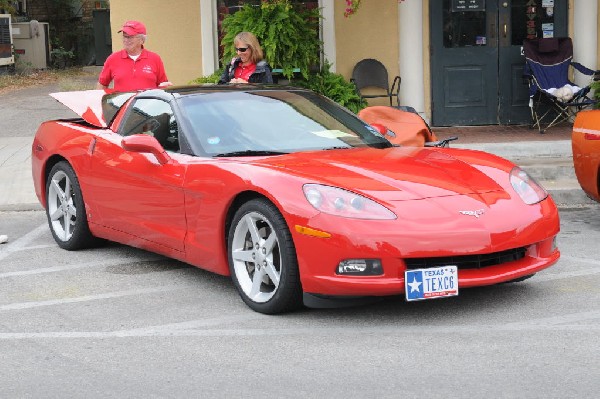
(32, 43)
(6, 43)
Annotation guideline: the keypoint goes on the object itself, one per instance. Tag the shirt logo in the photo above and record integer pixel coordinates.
(147, 69)
(475, 213)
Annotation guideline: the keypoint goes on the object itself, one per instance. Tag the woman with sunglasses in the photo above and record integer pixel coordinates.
(249, 65)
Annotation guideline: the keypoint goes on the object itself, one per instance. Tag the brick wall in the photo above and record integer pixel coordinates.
(41, 9)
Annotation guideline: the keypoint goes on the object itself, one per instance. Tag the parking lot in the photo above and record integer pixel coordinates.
(115, 321)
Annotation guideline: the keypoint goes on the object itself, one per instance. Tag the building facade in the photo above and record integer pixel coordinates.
(460, 60)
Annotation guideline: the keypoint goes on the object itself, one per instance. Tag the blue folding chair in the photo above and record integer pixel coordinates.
(552, 95)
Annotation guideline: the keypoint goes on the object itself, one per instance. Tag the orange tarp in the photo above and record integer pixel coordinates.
(409, 128)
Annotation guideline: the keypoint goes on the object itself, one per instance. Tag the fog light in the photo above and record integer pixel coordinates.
(360, 267)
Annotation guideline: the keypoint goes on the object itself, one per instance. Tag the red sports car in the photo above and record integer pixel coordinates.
(586, 151)
(292, 195)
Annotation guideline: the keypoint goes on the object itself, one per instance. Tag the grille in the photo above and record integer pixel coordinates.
(468, 261)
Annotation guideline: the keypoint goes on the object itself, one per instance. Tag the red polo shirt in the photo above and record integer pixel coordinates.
(147, 72)
(244, 71)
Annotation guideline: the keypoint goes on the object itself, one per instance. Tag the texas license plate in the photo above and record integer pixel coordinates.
(435, 282)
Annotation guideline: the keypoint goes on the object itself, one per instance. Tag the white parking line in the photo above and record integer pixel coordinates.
(22, 242)
(542, 325)
(100, 263)
(87, 298)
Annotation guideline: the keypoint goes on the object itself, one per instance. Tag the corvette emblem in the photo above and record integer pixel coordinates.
(476, 213)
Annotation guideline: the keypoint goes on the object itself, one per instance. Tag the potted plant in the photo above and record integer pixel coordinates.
(287, 33)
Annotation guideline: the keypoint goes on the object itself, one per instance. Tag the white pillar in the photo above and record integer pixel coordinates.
(328, 31)
(410, 21)
(208, 18)
(585, 39)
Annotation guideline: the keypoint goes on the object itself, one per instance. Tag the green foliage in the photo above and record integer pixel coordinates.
(7, 6)
(334, 86)
(214, 78)
(61, 58)
(596, 87)
(287, 34)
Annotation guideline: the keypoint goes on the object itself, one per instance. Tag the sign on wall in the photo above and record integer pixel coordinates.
(468, 5)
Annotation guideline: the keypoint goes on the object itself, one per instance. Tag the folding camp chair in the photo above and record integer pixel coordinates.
(552, 95)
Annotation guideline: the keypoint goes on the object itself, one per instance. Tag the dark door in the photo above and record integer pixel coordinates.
(102, 36)
(477, 61)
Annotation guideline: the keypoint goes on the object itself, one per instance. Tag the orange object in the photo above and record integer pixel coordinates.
(408, 128)
(586, 151)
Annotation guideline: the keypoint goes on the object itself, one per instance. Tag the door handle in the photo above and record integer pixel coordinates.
(504, 29)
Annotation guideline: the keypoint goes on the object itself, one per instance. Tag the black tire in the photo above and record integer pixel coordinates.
(261, 242)
(65, 209)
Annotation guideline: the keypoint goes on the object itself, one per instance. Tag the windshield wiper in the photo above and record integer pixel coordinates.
(250, 153)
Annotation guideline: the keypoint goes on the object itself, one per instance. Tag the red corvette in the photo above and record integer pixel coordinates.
(292, 195)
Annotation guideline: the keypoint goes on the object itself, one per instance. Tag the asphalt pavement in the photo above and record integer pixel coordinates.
(547, 157)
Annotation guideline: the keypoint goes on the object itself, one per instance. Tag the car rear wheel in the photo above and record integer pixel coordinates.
(65, 209)
(262, 259)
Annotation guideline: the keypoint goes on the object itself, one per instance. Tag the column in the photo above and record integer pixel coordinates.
(410, 32)
(208, 18)
(328, 31)
(585, 37)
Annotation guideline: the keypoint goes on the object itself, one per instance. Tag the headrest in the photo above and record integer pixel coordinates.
(548, 45)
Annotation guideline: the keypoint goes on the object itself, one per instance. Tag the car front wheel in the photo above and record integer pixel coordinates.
(65, 209)
(262, 259)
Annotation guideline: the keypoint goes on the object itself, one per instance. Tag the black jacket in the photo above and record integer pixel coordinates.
(262, 74)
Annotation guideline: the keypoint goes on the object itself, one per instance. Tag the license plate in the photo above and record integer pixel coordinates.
(435, 282)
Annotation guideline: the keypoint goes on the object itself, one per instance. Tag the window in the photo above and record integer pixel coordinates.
(153, 117)
(463, 28)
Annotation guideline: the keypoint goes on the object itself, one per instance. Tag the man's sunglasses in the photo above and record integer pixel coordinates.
(241, 49)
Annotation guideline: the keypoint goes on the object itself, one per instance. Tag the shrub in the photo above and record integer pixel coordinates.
(287, 34)
(334, 86)
(596, 87)
(214, 78)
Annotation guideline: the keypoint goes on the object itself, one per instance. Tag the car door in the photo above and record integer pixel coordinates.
(132, 192)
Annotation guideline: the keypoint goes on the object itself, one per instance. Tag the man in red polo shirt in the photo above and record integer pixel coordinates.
(134, 67)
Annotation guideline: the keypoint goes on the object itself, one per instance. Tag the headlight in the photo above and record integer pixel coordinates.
(339, 202)
(528, 189)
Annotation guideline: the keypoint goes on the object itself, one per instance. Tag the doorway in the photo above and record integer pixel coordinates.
(476, 57)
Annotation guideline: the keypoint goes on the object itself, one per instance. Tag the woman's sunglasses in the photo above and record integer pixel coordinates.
(241, 49)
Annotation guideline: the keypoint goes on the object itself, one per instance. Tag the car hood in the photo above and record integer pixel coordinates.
(395, 174)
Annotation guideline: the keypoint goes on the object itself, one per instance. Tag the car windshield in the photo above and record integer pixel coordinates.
(271, 122)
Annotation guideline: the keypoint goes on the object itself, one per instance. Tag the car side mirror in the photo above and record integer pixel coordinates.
(146, 144)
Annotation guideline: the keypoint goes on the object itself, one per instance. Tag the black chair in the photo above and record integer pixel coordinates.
(370, 73)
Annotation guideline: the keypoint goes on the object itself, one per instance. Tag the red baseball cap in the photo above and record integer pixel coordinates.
(133, 28)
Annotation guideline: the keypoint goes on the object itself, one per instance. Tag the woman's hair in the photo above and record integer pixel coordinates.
(251, 41)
